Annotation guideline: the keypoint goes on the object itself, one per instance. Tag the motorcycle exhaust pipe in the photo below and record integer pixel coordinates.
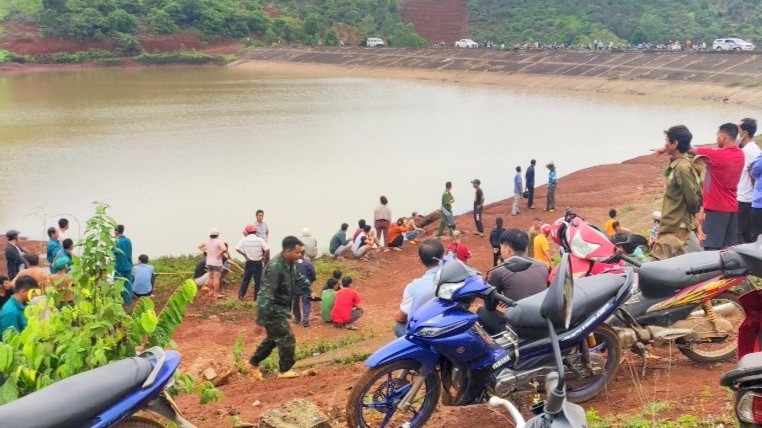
(669, 334)
(724, 309)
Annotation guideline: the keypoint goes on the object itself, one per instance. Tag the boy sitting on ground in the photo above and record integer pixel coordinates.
(327, 299)
(346, 308)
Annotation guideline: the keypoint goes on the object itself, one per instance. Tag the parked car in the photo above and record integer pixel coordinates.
(374, 42)
(732, 45)
(466, 43)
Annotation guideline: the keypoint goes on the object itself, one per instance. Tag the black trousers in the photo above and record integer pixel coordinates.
(495, 256)
(756, 221)
(478, 218)
(745, 234)
(252, 269)
(530, 201)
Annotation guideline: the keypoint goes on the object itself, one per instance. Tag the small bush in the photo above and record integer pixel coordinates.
(127, 45)
(5, 56)
(332, 37)
(160, 22)
(177, 58)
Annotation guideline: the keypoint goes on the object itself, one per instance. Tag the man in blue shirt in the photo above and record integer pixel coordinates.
(301, 305)
(12, 313)
(123, 268)
(529, 180)
(53, 245)
(552, 182)
(422, 289)
(144, 277)
(518, 189)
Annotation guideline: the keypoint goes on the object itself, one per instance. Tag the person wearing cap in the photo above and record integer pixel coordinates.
(541, 246)
(123, 266)
(339, 242)
(656, 215)
(14, 255)
(253, 249)
(310, 244)
(274, 309)
(214, 249)
(459, 249)
(529, 182)
(478, 207)
(552, 183)
(518, 190)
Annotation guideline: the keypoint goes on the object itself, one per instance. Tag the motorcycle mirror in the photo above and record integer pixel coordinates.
(557, 305)
(517, 264)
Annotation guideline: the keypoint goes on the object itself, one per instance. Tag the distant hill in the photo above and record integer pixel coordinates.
(329, 21)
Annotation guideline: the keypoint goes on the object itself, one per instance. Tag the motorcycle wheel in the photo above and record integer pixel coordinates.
(607, 348)
(714, 352)
(374, 399)
(138, 422)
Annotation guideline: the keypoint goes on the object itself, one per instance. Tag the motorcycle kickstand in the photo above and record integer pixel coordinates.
(164, 406)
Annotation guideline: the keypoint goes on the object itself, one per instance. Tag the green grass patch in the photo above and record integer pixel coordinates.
(650, 416)
(194, 58)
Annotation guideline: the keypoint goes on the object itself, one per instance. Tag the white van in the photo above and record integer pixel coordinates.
(374, 42)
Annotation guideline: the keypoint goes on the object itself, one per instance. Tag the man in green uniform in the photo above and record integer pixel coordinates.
(12, 312)
(123, 266)
(447, 219)
(274, 309)
(682, 198)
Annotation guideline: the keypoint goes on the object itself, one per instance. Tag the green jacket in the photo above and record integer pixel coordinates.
(447, 199)
(681, 196)
(274, 299)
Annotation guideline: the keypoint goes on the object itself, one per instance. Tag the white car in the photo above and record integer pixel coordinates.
(466, 43)
(374, 42)
(732, 45)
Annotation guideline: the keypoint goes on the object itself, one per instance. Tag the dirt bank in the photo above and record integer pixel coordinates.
(726, 78)
(633, 187)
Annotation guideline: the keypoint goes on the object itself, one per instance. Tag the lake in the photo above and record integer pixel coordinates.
(176, 151)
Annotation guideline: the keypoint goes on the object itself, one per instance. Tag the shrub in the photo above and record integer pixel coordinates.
(332, 37)
(160, 22)
(5, 56)
(127, 44)
(404, 36)
(121, 21)
(85, 326)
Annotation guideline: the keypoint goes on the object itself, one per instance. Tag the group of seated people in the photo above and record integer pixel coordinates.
(339, 303)
(366, 238)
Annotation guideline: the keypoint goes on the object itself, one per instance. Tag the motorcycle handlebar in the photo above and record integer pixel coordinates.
(499, 297)
(706, 268)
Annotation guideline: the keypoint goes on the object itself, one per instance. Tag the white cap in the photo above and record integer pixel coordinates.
(306, 231)
(214, 231)
(656, 215)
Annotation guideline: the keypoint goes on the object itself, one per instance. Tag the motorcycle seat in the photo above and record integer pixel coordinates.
(749, 368)
(590, 293)
(76, 400)
(668, 276)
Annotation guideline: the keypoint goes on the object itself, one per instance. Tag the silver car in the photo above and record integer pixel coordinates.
(732, 44)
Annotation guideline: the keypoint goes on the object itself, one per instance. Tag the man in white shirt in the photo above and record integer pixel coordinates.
(63, 229)
(747, 129)
(253, 248)
(423, 289)
(360, 246)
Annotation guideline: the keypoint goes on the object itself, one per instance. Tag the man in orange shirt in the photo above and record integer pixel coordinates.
(397, 235)
(541, 246)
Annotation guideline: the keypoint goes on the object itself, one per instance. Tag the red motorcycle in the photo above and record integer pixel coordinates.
(686, 300)
(746, 378)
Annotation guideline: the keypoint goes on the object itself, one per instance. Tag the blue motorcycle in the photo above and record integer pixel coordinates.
(447, 349)
(108, 396)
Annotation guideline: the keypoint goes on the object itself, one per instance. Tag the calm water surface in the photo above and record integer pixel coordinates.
(177, 151)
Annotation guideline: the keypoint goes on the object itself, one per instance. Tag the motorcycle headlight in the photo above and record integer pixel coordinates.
(446, 291)
(580, 248)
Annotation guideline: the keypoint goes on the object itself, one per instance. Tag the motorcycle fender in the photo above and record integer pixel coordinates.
(403, 349)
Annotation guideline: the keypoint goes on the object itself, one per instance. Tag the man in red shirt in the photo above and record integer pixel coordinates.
(720, 213)
(346, 306)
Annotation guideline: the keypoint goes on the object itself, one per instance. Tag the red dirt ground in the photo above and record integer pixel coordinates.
(692, 388)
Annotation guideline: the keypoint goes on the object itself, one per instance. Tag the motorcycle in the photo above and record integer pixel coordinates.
(107, 396)
(556, 412)
(682, 300)
(746, 379)
(447, 345)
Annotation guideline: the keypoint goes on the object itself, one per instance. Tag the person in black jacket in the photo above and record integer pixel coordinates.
(494, 240)
(14, 255)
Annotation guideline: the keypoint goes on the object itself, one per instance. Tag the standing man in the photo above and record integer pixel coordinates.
(430, 253)
(382, 217)
(274, 307)
(339, 242)
(301, 295)
(682, 196)
(14, 255)
(518, 189)
(63, 229)
(310, 243)
(494, 240)
(447, 219)
(720, 213)
(123, 268)
(253, 249)
(63, 261)
(747, 129)
(214, 248)
(529, 179)
(552, 182)
(263, 232)
(54, 246)
(478, 207)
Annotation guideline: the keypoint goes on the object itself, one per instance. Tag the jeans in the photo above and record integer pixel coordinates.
(397, 242)
(478, 218)
(356, 314)
(301, 305)
(252, 269)
(516, 200)
(127, 292)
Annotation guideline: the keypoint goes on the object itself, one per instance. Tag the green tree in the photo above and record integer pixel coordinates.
(638, 36)
(332, 37)
(312, 26)
(121, 21)
(160, 22)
